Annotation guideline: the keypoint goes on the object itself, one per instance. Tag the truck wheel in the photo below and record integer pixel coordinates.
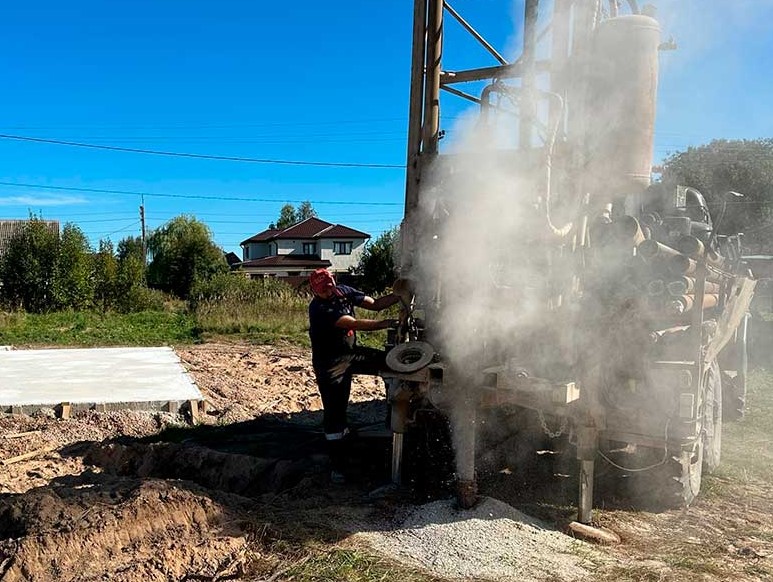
(734, 387)
(712, 419)
(688, 481)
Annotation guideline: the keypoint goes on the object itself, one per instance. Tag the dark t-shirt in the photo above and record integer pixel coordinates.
(328, 342)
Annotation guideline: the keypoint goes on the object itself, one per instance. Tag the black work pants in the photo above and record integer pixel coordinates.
(334, 379)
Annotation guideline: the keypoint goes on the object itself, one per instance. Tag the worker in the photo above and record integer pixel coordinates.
(336, 356)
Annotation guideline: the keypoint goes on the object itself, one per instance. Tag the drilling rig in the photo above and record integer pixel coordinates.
(635, 342)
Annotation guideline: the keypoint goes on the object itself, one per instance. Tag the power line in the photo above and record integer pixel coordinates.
(200, 156)
(208, 125)
(191, 196)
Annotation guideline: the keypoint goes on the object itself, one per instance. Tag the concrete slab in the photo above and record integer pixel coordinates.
(105, 378)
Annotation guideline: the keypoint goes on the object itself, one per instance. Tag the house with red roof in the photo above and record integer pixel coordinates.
(298, 250)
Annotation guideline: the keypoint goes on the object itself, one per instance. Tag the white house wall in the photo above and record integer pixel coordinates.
(256, 251)
(341, 263)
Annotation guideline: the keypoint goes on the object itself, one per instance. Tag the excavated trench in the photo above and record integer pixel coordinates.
(185, 504)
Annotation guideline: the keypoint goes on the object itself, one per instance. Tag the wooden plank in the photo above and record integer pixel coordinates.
(25, 456)
(17, 435)
(195, 414)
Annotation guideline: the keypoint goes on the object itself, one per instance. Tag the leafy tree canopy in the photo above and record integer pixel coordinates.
(182, 253)
(376, 268)
(289, 215)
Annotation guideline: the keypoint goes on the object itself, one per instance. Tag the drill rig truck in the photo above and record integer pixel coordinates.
(634, 344)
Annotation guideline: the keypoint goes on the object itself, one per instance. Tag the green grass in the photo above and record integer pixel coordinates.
(272, 319)
(147, 328)
(349, 565)
(747, 446)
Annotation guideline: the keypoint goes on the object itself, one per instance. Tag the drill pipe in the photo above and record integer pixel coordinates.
(680, 264)
(625, 229)
(683, 265)
(695, 249)
(686, 285)
(685, 303)
(656, 287)
(651, 249)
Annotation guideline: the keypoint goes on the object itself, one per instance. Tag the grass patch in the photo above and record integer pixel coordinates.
(266, 320)
(88, 329)
(350, 565)
(747, 450)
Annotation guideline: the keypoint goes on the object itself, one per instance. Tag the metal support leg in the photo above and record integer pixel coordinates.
(587, 443)
(464, 440)
(397, 458)
(585, 512)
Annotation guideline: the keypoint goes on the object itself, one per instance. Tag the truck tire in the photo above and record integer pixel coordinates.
(689, 479)
(712, 418)
(734, 387)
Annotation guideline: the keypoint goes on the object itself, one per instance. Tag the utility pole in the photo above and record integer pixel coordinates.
(142, 222)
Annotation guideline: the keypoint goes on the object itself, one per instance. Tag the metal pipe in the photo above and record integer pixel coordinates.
(656, 287)
(528, 82)
(680, 264)
(484, 73)
(694, 248)
(651, 249)
(397, 458)
(475, 34)
(413, 171)
(685, 303)
(686, 286)
(431, 127)
(461, 94)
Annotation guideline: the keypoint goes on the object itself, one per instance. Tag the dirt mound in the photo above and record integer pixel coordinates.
(492, 541)
(116, 529)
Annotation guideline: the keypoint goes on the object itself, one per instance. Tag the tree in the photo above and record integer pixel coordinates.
(105, 276)
(27, 267)
(289, 215)
(182, 253)
(305, 210)
(131, 245)
(745, 166)
(376, 268)
(73, 276)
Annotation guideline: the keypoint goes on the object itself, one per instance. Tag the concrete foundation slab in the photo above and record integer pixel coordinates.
(102, 378)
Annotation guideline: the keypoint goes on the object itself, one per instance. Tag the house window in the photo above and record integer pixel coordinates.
(342, 248)
(310, 248)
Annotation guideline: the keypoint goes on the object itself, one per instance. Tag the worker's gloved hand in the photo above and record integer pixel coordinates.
(392, 323)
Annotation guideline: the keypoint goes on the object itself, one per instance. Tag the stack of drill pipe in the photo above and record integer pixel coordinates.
(685, 303)
(694, 248)
(686, 286)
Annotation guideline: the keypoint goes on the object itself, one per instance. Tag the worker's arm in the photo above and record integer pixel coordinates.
(380, 303)
(349, 322)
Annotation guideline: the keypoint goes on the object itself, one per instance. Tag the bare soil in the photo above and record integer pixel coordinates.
(137, 496)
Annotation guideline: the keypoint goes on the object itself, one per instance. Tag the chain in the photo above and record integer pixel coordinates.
(550, 433)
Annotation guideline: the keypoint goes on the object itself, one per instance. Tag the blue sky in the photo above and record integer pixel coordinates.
(313, 81)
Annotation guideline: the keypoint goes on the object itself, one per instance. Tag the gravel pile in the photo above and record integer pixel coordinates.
(492, 541)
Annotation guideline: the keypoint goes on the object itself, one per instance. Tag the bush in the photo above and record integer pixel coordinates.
(140, 298)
